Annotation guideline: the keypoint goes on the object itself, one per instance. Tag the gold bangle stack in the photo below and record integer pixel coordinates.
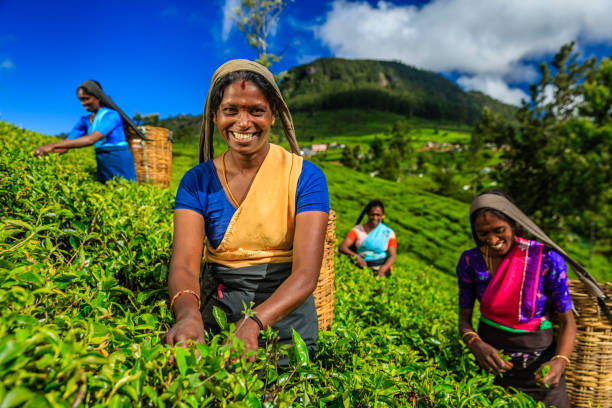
(466, 333)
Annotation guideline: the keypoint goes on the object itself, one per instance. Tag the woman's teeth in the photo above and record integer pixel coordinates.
(499, 245)
(243, 136)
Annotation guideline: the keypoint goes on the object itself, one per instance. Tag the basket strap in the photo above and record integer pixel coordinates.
(144, 158)
(604, 307)
(170, 138)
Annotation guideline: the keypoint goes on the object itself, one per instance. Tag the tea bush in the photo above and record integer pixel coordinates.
(83, 270)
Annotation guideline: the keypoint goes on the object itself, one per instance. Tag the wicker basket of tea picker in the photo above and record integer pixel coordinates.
(589, 376)
(153, 157)
(324, 293)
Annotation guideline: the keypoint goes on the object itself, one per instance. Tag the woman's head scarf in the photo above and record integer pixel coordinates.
(92, 88)
(502, 204)
(208, 126)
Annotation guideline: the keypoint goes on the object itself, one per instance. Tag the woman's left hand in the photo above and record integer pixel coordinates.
(247, 330)
(557, 368)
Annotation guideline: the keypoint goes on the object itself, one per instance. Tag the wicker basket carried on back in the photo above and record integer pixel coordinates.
(153, 157)
(324, 293)
(589, 376)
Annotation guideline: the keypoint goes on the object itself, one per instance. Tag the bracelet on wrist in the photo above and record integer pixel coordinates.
(469, 343)
(562, 357)
(182, 292)
(466, 333)
(259, 323)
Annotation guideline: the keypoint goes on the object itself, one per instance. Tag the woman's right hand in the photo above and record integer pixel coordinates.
(188, 328)
(488, 357)
(360, 262)
(44, 149)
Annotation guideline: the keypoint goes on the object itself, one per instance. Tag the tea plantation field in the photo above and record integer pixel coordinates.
(84, 303)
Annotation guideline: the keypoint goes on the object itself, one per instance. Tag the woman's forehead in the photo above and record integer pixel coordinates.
(488, 218)
(240, 91)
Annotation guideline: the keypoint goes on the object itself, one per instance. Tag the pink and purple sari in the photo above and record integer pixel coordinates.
(509, 301)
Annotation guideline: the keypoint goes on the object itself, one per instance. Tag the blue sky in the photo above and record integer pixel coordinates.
(158, 56)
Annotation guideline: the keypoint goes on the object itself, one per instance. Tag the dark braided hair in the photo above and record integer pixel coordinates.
(248, 76)
(517, 229)
(368, 207)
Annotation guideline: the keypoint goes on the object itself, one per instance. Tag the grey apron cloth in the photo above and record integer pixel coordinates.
(228, 288)
(528, 351)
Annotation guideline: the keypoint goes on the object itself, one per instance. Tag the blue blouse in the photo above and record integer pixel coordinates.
(108, 122)
(200, 190)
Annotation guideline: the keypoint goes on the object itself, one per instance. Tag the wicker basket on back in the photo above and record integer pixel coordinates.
(153, 157)
(324, 293)
(589, 376)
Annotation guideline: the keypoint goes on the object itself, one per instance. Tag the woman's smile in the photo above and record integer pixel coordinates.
(242, 137)
(495, 233)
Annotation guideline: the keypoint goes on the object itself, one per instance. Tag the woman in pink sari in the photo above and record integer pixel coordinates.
(518, 283)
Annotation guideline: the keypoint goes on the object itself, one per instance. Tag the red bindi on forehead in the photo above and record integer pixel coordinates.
(242, 84)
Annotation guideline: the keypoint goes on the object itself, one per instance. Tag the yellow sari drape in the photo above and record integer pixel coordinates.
(261, 230)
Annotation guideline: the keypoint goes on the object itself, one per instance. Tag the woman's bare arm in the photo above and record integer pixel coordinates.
(344, 248)
(62, 145)
(391, 256)
(184, 275)
(486, 355)
(565, 345)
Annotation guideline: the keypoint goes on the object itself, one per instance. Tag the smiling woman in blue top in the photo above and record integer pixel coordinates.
(372, 244)
(103, 128)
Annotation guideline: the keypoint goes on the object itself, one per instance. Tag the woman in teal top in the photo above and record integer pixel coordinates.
(372, 244)
(103, 128)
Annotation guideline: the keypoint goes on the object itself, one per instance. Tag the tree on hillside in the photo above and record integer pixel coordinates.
(348, 158)
(255, 19)
(559, 165)
(401, 139)
(389, 166)
(377, 147)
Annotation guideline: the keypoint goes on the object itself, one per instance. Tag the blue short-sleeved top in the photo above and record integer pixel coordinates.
(200, 190)
(108, 122)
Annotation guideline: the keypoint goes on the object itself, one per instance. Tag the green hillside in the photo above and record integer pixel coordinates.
(83, 270)
(335, 83)
(338, 97)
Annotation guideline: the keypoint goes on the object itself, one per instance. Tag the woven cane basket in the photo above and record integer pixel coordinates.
(324, 293)
(589, 376)
(152, 158)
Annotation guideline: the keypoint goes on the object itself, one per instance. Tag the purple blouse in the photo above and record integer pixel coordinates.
(473, 277)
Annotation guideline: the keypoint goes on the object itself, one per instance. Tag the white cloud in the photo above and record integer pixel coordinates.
(484, 39)
(7, 64)
(493, 86)
(228, 12)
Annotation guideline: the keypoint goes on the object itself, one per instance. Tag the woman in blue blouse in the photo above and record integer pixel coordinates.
(103, 128)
